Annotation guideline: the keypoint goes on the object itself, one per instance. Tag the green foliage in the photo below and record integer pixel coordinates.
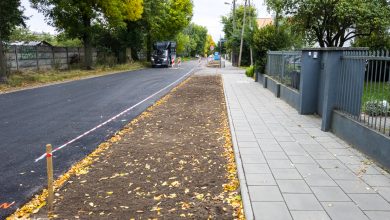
(378, 40)
(250, 71)
(272, 38)
(11, 15)
(233, 37)
(191, 41)
(198, 37)
(61, 40)
(183, 41)
(377, 108)
(332, 23)
(164, 19)
(78, 18)
(209, 42)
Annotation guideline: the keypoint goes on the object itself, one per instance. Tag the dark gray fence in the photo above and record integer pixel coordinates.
(348, 87)
(285, 67)
(364, 93)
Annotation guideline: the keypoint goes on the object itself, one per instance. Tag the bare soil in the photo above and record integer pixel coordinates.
(170, 165)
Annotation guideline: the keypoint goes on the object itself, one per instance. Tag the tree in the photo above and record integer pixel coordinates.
(333, 22)
(77, 18)
(11, 15)
(209, 42)
(198, 37)
(270, 38)
(378, 40)
(164, 19)
(183, 41)
(233, 37)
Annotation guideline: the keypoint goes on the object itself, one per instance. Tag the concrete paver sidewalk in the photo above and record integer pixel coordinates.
(290, 169)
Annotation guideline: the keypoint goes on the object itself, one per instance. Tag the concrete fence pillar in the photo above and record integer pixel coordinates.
(320, 81)
(330, 68)
(309, 82)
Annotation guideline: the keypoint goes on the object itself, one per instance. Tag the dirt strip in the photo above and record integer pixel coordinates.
(174, 161)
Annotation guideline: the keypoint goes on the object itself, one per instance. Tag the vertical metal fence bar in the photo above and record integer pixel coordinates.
(356, 87)
(365, 86)
(370, 90)
(381, 90)
(349, 87)
(376, 90)
(340, 95)
(386, 85)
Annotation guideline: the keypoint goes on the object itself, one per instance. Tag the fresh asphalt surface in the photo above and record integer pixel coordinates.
(56, 114)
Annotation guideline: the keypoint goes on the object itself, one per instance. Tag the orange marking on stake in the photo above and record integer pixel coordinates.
(6, 205)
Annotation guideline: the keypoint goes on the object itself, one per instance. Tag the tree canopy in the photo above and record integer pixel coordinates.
(77, 18)
(333, 22)
(11, 15)
(233, 37)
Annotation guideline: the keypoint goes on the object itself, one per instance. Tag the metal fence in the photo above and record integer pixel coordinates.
(365, 88)
(285, 67)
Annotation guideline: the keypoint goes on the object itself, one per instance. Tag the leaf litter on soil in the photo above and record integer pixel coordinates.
(174, 161)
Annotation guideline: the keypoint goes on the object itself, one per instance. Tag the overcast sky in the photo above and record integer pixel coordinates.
(206, 13)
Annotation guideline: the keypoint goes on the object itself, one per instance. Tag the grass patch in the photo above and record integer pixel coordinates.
(376, 97)
(188, 59)
(250, 71)
(33, 78)
(376, 92)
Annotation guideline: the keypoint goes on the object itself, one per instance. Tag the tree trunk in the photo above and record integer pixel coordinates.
(87, 43)
(148, 46)
(3, 64)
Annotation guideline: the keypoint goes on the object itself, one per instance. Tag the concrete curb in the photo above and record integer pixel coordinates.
(248, 211)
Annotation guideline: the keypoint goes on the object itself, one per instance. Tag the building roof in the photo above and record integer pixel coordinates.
(30, 43)
(262, 22)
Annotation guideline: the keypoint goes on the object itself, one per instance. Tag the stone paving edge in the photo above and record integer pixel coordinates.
(247, 205)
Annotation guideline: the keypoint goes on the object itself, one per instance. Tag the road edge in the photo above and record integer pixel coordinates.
(39, 199)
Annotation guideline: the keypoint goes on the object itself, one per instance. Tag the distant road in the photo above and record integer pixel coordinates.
(60, 113)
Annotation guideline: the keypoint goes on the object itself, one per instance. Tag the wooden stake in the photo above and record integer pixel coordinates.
(50, 189)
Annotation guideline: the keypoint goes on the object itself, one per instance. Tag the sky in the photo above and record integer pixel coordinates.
(206, 13)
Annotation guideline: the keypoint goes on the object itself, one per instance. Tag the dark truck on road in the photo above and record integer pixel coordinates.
(163, 53)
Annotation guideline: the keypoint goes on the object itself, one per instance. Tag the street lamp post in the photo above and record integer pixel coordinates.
(234, 27)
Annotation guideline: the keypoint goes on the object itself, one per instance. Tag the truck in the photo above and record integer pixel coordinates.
(163, 53)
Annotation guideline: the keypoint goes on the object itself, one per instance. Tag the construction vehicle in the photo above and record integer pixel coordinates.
(164, 54)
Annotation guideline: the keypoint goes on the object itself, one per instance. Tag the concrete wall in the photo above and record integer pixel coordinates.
(43, 57)
(260, 78)
(369, 141)
(291, 96)
(273, 86)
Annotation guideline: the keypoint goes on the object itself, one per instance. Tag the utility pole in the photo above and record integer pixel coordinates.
(250, 26)
(234, 15)
(234, 29)
(242, 35)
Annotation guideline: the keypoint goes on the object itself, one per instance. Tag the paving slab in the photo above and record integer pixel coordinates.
(292, 169)
(310, 215)
(271, 211)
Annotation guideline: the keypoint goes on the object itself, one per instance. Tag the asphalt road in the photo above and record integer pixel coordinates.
(56, 114)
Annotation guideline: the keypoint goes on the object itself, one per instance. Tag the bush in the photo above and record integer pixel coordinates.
(250, 71)
(377, 108)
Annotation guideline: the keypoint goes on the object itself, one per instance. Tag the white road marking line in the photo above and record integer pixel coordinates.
(113, 118)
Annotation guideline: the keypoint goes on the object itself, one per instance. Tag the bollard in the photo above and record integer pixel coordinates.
(50, 187)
